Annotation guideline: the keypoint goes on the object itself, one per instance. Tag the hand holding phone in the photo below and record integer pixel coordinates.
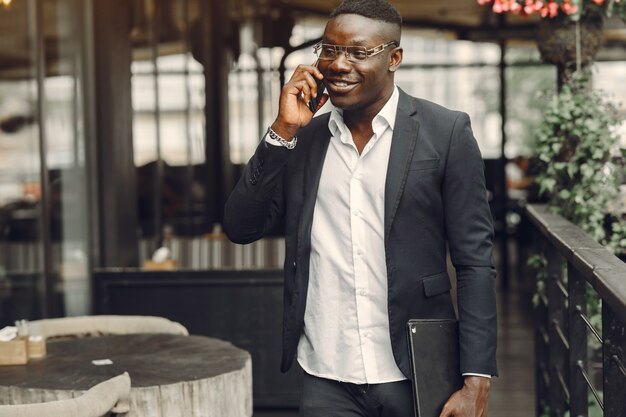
(314, 101)
(294, 110)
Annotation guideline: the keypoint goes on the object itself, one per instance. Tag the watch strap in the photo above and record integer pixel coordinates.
(275, 136)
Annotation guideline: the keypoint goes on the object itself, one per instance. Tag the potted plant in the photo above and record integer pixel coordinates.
(581, 162)
(577, 144)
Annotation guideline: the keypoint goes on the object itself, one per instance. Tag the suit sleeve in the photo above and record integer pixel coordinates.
(469, 232)
(256, 204)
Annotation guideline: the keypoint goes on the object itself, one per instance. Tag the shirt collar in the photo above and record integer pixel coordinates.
(389, 110)
(385, 117)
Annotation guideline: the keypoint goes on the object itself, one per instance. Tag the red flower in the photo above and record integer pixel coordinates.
(570, 8)
(553, 9)
(498, 6)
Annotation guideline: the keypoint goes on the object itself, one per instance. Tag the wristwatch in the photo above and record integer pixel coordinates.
(275, 136)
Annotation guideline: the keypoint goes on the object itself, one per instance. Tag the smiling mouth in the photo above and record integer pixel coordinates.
(340, 86)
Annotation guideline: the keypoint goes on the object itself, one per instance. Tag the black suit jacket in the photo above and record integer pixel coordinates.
(434, 194)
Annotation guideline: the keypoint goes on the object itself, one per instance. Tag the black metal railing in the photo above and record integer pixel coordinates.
(570, 373)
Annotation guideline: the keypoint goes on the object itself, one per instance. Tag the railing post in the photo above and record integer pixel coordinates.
(613, 348)
(576, 286)
(541, 339)
(555, 319)
(542, 377)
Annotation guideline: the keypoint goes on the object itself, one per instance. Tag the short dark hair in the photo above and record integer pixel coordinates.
(372, 9)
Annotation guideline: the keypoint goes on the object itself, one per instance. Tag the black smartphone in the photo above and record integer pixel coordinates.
(313, 102)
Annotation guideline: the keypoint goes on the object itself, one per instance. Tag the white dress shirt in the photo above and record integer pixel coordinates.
(346, 325)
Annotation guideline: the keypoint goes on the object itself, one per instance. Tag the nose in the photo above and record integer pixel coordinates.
(340, 63)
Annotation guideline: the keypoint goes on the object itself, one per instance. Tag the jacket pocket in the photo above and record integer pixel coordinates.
(436, 284)
(422, 164)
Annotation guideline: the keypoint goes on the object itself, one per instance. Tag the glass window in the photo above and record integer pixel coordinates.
(44, 238)
(168, 96)
(21, 262)
(64, 137)
(610, 77)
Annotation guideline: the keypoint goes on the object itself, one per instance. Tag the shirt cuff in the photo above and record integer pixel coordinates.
(473, 374)
(273, 141)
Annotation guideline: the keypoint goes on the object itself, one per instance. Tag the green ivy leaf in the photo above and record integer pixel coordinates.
(547, 185)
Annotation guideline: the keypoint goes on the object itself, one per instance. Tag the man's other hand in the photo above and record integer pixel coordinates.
(470, 400)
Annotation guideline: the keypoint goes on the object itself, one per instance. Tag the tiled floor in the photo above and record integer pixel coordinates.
(512, 393)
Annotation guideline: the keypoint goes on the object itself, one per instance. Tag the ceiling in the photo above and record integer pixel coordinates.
(465, 18)
(462, 19)
(432, 13)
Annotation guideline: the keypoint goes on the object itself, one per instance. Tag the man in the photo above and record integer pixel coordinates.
(368, 196)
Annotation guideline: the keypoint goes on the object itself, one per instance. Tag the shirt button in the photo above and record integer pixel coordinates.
(362, 292)
(366, 334)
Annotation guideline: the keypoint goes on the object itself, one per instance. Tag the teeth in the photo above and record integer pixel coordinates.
(341, 84)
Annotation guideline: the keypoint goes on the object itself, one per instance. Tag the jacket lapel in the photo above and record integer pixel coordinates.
(402, 146)
(314, 161)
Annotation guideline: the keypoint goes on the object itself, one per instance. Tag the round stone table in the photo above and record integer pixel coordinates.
(171, 375)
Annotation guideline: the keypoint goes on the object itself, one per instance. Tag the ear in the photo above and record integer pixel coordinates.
(395, 58)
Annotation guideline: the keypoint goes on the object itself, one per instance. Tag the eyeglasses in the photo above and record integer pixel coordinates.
(328, 52)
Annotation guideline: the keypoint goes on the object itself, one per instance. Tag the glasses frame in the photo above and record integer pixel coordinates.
(368, 52)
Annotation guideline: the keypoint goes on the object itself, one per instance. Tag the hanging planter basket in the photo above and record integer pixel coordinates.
(556, 40)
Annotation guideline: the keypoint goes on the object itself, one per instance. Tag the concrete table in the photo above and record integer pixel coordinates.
(171, 375)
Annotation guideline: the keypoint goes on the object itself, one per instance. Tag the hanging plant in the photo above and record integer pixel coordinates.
(570, 32)
(557, 40)
(578, 146)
